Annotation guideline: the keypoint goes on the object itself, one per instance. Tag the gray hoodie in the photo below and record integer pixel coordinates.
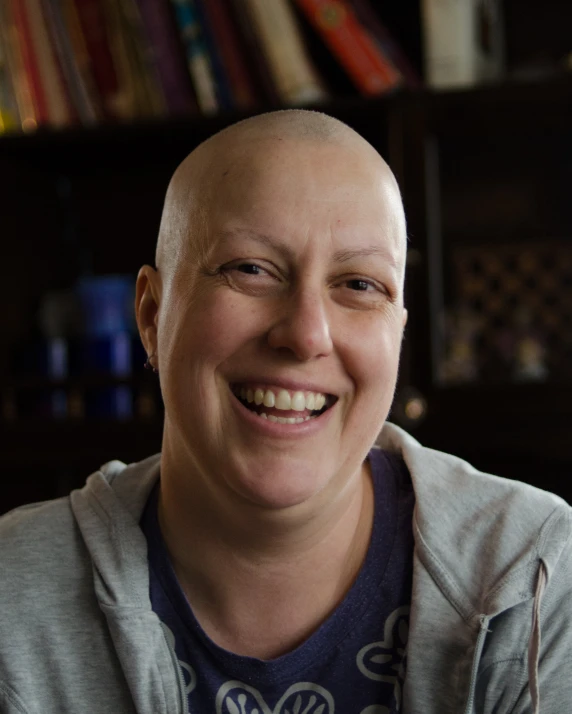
(491, 614)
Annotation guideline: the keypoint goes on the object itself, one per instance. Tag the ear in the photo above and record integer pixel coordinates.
(147, 303)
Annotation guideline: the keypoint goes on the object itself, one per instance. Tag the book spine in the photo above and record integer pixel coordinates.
(388, 44)
(198, 59)
(226, 39)
(96, 59)
(355, 49)
(57, 98)
(449, 39)
(166, 46)
(254, 53)
(223, 90)
(145, 75)
(295, 76)
(9, 115)
(29, 61)
(79, 95)
(127, 100)
(16, 69)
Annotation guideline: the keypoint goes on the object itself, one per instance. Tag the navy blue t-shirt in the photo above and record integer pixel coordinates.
(354, 663)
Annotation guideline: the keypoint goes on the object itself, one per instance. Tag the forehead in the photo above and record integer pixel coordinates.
(307, 187)
(291, 168)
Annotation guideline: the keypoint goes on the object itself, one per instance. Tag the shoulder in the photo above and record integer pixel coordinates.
(32, 530)
(40, 543)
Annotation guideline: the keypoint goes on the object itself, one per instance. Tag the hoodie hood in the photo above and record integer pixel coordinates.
(107, 511)
(485, 546)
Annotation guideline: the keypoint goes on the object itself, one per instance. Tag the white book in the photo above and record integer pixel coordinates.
(463, 42)
(295, 77)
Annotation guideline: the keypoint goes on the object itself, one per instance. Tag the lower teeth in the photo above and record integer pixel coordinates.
(283, 420)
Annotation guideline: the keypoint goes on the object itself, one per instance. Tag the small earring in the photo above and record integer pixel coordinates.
(149, 365)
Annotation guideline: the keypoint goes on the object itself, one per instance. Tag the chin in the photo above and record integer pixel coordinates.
(279, 488)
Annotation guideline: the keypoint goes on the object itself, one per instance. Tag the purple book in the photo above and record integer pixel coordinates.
(169, 61)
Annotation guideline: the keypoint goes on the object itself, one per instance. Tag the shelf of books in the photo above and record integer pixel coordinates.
(81, 63)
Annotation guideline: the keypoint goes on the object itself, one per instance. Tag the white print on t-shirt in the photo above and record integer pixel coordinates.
(300, 698)
(380, 661)
(383, 661)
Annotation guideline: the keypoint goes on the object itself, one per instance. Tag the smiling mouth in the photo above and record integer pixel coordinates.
(283, 406)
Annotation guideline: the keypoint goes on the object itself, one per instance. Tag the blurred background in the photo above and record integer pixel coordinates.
(470, 101)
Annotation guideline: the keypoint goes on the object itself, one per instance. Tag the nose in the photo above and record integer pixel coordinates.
(302, 327)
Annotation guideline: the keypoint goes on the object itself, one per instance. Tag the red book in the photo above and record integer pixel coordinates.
(59, 108)
(29, 60)
(93, 27)
(228, 45)
(355, 49)
(370, 19)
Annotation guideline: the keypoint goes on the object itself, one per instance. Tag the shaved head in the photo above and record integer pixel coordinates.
(200, 179)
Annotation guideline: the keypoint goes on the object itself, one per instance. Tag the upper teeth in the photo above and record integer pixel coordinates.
(283, 399)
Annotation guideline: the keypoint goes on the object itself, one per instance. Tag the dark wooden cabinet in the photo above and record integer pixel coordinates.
(486, 176)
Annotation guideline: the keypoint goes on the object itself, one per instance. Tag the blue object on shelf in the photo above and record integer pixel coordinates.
(106, 304)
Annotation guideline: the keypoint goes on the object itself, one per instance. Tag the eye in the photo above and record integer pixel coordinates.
(251, 277)
(249, 268)
(359, 285)
(360, 291)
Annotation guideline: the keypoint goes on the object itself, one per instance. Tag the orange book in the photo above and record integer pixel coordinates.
(355, 49)
(29, 60)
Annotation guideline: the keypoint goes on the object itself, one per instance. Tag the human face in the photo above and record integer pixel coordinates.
(300, 290)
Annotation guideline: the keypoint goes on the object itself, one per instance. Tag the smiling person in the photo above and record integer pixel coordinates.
(272, 559)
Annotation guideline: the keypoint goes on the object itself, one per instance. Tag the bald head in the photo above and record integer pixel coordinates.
(222, 159)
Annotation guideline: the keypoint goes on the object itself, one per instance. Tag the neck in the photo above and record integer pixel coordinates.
(260, 581)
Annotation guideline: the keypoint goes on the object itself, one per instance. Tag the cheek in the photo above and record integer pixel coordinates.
(372, 349)
(208, 331)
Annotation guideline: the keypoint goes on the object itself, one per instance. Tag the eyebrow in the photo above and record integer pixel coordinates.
(340, 256)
